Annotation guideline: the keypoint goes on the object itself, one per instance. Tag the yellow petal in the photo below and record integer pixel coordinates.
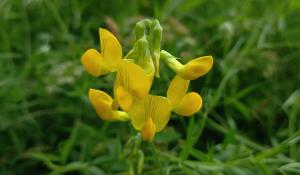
(189, 105)
(196, 68)
(124, 99)
(148, 130)
(156, 108)
(111, 49)
(133, 79)
(177, 90)
(102, 103)
(92, 61)
(161, 112)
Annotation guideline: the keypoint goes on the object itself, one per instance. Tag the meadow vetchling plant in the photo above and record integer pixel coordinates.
(134, 75)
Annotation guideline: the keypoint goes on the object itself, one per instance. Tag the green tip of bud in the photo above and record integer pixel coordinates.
(141, 28)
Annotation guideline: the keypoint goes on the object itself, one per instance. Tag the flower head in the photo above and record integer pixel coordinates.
(149, 114)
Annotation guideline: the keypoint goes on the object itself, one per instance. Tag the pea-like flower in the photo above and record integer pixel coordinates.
(131, 84)
(150, 115)
(107, 61)
(191, 70)
(182, 103)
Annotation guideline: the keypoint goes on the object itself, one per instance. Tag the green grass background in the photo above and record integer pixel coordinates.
(249, 123)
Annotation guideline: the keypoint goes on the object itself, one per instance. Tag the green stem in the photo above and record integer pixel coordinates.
(194, 164)
(192, 136)
(238, 137)
(212, 166)
(292, 127)
(292, 140)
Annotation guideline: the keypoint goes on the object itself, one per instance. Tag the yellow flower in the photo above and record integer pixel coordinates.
(132, 83)
(182, 103)
(192, 69)
(150, 115)
(107, 61)
(102, 103)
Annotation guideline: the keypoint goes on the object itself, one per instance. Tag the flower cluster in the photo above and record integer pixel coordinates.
(134, 75)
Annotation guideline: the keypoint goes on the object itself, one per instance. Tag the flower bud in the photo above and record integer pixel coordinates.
(141, 28)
